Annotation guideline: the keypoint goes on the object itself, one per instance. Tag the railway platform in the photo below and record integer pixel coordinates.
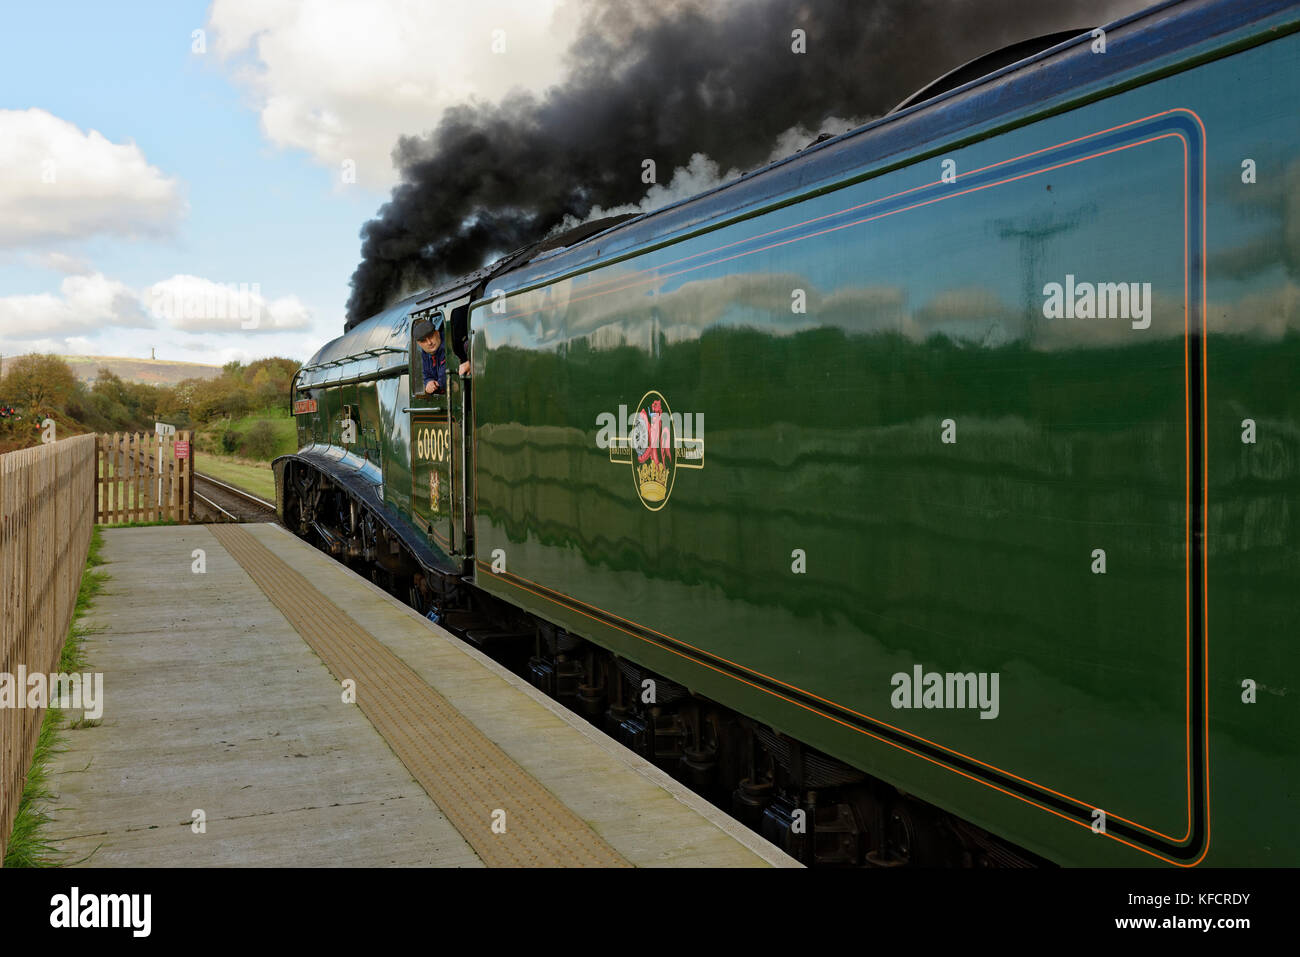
(265, 706)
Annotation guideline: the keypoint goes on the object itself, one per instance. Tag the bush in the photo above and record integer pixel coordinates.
(230, 441)
(208, 443)
(259, 443)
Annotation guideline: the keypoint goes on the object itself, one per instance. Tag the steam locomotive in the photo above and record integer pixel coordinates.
(927, 497)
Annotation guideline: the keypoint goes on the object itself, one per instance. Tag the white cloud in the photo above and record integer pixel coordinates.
(141, 345)
(67, 346)
(61, 262)
(83, 304)
(343, 79)
(218, 354)
(195, 304)
(57, 182)
(184, 317)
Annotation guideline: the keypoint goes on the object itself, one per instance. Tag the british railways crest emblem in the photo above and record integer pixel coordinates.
(656, 442)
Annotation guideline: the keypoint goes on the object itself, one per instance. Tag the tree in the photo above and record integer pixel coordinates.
(143, 400)
(214, 398)
(39, 384)
(109, 385)
(270, 380)
(178, 400)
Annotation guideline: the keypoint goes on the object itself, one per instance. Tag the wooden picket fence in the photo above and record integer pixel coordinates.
(47, 515)
(144, 477)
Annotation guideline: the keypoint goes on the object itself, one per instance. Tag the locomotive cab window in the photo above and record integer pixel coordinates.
(459, 344)
(429, 359)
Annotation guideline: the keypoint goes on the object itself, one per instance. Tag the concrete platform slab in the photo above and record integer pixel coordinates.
(214, 702)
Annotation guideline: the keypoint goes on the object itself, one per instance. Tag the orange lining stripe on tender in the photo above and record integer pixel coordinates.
(1187, 505)
(851, 727)
(1205, 465)
(1143, 827)
(866, 219)
(1186, 381)
(592, 293)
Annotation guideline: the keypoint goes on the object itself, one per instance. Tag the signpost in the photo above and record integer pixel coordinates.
(162, 430)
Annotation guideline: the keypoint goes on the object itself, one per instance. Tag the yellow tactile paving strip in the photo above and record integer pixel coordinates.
(462, 770)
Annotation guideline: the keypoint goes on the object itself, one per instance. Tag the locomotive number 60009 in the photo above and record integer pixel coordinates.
(431, 445)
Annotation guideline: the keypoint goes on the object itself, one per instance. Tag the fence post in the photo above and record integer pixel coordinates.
(187, 478)
(44, 537)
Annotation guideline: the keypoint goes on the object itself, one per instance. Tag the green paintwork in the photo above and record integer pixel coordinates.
(396, 431)
(823, 433)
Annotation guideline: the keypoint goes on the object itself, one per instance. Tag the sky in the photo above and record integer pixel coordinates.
(191, 178)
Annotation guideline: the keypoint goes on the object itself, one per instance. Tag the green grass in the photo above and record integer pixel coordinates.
(255, 477)
(29, 846)
(281, 421)
(138, 524)
(29, 842)
(283, 426)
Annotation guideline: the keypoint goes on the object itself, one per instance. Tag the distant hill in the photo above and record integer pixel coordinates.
(148, 371)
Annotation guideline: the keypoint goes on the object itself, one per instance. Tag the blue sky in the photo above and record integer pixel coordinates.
(224, 165)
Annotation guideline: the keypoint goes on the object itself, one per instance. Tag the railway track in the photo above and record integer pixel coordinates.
(221, 502)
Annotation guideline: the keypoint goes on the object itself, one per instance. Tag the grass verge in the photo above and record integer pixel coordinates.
(255, 477)
(29, 843)
(166, 521)
(258, 437)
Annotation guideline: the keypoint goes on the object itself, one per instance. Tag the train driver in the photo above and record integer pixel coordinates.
(432, 355)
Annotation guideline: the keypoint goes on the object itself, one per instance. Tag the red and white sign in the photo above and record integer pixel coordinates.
(303, 406)
(182, 450)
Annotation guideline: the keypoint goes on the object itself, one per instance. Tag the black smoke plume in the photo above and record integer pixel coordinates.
(665, 83)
